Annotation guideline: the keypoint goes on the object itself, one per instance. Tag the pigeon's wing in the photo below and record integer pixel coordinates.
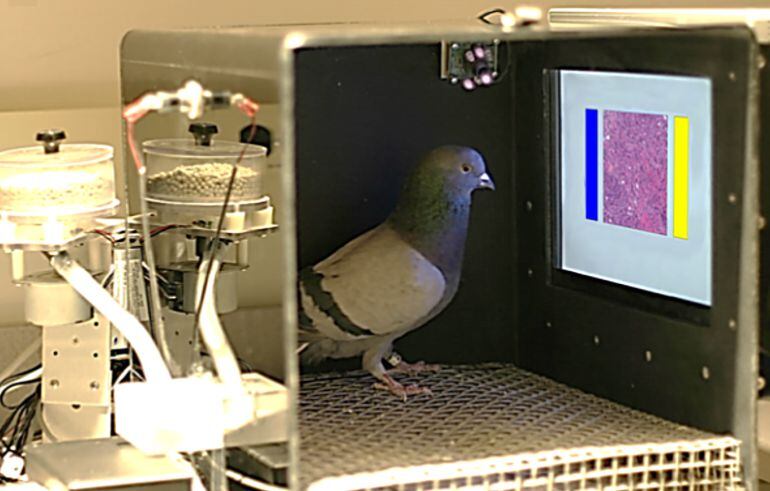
(375, 285)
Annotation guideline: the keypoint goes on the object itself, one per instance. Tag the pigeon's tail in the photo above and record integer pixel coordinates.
(314, 352)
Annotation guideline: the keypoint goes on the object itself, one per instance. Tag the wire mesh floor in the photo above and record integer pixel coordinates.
(495, 426)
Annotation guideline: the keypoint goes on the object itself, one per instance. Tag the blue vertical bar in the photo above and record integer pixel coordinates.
(592, 164)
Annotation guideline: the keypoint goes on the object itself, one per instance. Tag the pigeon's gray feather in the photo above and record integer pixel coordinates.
(378, 280)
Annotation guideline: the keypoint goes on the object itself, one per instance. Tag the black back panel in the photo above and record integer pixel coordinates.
(669, 357)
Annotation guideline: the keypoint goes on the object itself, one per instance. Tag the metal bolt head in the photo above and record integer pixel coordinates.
(530, 273)
(94, 385)
(732, 198)
(597, 340)
(732, 76)
(705, 372)
(732, 324)
(51, 139)
(548, 324)
(648, 356)
(54, 383)
(529, 205)
(528, 14)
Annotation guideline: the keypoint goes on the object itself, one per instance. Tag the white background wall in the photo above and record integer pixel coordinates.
(59, 67)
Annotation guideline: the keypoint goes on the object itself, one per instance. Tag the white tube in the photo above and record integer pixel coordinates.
(211, 330)
(252, 483)
(17, 265)
(134, 332)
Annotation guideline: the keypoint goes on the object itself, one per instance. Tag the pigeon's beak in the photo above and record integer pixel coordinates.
(485, 182)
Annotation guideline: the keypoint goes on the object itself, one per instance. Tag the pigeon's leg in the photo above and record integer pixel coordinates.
(400, 366)
(372, 362)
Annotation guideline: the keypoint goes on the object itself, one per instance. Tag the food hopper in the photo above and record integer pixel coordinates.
(188, 179)
(52, 194)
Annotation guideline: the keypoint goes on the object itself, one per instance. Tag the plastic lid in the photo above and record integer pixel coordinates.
(69, 154)
(185, 148)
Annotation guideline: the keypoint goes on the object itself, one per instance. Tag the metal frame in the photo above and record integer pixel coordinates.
(263, 63)
(76, 381)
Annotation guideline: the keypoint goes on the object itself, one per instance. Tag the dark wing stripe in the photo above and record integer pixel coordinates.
(304, 320)
(311, 281)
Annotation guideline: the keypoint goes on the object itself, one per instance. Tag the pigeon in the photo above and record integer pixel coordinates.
(397, 276)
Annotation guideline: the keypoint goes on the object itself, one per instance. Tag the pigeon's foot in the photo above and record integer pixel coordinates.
(414, 368)
(400, 390)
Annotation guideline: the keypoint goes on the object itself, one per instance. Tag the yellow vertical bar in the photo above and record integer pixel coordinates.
(681, 175)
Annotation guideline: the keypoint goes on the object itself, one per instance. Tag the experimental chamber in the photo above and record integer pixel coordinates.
(617, 257)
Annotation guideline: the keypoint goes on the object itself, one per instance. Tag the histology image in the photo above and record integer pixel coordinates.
(636, 170)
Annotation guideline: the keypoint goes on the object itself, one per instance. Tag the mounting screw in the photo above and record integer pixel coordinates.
(527, 15)
(455, 46)
(732, 198)
(54, 383)
(705, 372)
(731, 76)
(529, 205)
(732, 324)
(761, 383)
(761, 62)
(51, 139)
(530, 273)
(94, 385)
(648, 356)
(596, 340)
(761, 222)
(203, 133)
(548, 324)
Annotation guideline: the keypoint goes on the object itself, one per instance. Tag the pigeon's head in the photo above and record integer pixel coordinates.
(459, 169)
(436, 197)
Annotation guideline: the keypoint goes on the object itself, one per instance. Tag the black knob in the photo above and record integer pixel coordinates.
(203, 132)
(258, 135)
(51, 139)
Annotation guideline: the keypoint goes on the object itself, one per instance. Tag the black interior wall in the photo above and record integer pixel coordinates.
(364, 116)
(593, 334)
(764, 234)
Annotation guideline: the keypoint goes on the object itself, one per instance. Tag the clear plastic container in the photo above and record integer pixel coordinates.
(181, 171)
(51, 194)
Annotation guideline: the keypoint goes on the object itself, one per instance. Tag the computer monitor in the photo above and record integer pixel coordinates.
(635, 180)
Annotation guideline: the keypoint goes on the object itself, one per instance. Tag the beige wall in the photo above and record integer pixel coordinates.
(59, 68)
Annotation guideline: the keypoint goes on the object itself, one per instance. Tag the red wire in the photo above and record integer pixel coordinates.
(132, 144)
(248, 107)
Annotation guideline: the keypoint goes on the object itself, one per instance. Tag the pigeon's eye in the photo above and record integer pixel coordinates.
(465, 168)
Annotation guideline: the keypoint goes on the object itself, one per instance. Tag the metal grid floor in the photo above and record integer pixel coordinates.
(495, 426)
